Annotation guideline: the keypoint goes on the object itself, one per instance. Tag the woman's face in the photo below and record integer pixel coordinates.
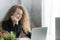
(18, 14)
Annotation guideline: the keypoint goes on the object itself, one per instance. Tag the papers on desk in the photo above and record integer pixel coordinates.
(23, 39)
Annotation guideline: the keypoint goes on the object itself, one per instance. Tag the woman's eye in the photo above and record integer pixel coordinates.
(18, 13)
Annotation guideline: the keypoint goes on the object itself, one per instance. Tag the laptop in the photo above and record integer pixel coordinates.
(39, 33)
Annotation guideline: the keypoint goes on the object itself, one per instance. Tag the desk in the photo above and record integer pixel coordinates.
(23, 39)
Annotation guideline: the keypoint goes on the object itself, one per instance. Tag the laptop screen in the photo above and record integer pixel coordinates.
(39, 33)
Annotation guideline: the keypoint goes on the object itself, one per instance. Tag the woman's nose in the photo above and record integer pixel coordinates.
(18, 15)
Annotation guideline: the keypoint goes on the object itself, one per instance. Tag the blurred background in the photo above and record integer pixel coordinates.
(33, 7)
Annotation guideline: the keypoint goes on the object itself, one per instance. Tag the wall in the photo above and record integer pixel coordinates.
(56, 11)
(34, 9)
(4, 6)
(36, 12)
(51, 10)
(48, 19)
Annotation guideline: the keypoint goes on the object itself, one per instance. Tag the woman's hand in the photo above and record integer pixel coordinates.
(15, 20)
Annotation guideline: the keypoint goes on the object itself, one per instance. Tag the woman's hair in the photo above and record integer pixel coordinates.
(25, 20)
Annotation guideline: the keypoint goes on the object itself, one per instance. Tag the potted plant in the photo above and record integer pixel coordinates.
(9, 36)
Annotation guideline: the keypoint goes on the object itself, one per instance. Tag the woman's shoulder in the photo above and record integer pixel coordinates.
(4, 22)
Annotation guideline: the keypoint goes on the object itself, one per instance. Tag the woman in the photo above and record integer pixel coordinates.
(17, 20)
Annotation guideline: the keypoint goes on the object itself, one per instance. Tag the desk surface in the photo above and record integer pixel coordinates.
(23, 39)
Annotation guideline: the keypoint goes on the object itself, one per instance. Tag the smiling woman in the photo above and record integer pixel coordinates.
(17, 20)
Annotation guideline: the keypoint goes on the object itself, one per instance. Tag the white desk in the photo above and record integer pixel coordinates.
(23, 39)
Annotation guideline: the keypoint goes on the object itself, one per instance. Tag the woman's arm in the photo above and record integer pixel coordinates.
(28, 34)
(4, 26)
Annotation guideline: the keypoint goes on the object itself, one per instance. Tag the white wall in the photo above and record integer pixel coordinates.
(51, 10)
(4, 6)
(56, 13)
(48, 18)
